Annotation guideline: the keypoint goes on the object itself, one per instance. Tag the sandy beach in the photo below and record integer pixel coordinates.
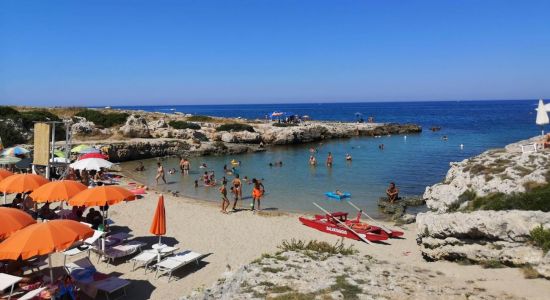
(238, 238)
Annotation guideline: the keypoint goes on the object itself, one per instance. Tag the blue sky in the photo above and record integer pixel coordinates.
(116, 52)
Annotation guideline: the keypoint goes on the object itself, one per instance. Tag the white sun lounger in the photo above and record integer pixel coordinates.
(82, 271)
(145, 258)
(7, 281)
(121, 250)
(173, 263)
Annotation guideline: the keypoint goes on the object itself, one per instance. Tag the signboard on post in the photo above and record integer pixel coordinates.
(41, 144)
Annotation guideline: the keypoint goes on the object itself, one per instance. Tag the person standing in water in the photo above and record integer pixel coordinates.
(312, 160)
(186, 166)
(257, 192)
(329, 159)
(225, 201)
(160, 173)
(237, 189)
(182, 161)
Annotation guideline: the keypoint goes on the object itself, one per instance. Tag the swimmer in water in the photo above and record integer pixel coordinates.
(312, 160)
(348, 157)
(196, 183)
(339, 193)
(329, 160)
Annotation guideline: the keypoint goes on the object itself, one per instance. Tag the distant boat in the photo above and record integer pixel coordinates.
(107, 107)
(172, 109)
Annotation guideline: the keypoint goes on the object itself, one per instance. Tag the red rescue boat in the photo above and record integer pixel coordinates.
(338, 224)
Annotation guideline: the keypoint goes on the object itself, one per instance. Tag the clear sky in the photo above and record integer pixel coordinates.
(116, 52)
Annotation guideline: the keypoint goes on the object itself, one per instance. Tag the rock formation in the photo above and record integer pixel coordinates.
(135, 127)
(503, 170)
(484, 236)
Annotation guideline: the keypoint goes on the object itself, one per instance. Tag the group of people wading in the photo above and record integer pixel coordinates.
(258, 189)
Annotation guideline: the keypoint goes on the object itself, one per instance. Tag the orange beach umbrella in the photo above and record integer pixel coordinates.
(101, 196)
(13, 219)
(43, 238)
(21, 183)
(4, 173)
(61, 190)
(158, 227)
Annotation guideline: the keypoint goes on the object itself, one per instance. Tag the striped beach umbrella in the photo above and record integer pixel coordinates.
(14, 151)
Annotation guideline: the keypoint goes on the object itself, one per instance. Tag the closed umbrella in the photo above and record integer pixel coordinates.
(13, 219)
(55, 191)
(21, 183)
(542, 115)
(158, 227)
(92, 164)
(44, 238)
(14, 151)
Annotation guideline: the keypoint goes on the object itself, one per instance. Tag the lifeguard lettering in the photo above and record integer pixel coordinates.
(336, 230)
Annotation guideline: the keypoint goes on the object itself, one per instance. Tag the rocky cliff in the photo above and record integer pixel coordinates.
(501, 237)
(505, 170)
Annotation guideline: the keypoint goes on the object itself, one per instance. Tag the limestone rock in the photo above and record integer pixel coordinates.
(495, 171)
(83, 127)
(239, 137)
(135, 127)
(482, 236)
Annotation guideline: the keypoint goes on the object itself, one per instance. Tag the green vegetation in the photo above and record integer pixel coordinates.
(541, 238)
(349, 291)
(537, 198)
(104, 120)
(284, 125)
(492, 264)
(235, 127)
(219, 145)
(10, 136)
(184, 125)
(316, 246)
(271, 270)
(295, 296)
(199, 118)
(529, 272)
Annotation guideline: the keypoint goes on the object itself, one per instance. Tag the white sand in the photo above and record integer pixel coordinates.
(241, 237)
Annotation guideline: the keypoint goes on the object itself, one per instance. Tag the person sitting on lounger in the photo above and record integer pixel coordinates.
(66, 289)
(392, 192)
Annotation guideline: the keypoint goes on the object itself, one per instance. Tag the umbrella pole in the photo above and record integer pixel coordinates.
(4, 198)
(160, 237)
(51, 271)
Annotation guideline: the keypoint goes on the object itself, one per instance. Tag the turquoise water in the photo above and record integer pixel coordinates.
(413, 162)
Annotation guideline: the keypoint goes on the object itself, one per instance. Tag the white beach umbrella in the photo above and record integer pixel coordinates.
(542, 115)
(91, 164)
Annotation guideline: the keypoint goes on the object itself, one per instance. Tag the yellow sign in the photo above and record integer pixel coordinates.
(41, 144)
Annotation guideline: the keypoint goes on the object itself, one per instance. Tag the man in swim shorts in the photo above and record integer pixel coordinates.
(225, 201)
(257, 192)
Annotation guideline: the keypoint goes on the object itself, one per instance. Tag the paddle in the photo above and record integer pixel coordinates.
(387, 230)
(343, 224)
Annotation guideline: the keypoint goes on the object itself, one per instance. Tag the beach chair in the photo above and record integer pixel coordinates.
(173, 263)
(120, 251)
(147, 257)
(530, 148)
(8, 281)
(91, 282)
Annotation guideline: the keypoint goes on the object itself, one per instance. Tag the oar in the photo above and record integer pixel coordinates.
(387, 230)
(343, 224)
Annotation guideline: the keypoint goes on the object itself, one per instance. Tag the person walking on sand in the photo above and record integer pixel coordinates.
(392, 192)
(257, 192)
(160, 173)
(237, 189)
(329, 160)
(225, 201)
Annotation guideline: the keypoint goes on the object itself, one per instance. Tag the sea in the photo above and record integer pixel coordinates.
(412, 161)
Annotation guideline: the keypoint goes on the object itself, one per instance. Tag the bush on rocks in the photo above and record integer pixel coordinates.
(184, 125)
(104, 120)
(200, 118)
(235, 127)
(541, 238)
(10, 136)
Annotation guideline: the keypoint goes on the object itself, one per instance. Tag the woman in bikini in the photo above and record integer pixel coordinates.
(160, 173)
(237, 189)
(257, 192)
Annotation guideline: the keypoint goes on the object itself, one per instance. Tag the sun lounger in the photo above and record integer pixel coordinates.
(147, 257)
(7, 281)
(121, 250)
(530, 148)
(90, 281)
(173, 263)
